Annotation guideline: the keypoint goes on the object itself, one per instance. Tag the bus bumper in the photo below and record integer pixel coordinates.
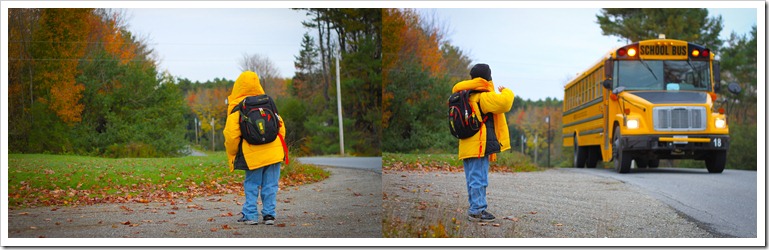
(676, 147)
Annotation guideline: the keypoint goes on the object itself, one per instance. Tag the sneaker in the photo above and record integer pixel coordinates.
(269, 220)
(246, 221)
(483, 217)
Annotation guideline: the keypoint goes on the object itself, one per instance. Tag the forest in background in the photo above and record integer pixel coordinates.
(420, 67)
(81, 83)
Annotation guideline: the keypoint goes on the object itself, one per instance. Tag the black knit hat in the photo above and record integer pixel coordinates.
(481, 70)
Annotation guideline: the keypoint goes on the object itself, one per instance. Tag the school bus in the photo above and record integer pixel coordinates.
(650, 100)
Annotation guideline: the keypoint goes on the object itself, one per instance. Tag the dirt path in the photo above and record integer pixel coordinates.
(549, 204)
(347, 204)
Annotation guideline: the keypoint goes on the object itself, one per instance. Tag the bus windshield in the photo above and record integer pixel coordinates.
(663, 75)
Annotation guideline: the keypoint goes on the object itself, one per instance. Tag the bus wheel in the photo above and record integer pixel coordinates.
(593, 156)
(716, 162)
(622, 159)
(580, 154)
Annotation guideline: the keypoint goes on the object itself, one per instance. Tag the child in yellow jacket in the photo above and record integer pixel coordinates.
(476, 151)
(261, 162)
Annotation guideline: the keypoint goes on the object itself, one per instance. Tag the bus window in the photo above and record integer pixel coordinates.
(633, 75)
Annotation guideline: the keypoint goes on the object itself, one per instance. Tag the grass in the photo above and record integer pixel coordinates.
(506, 162)
(46, 180)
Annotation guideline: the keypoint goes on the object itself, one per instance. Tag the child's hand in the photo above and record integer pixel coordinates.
(501, 88)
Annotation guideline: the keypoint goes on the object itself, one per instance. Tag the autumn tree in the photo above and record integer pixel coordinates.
(419, 68)
(88, 86)
(686, 24)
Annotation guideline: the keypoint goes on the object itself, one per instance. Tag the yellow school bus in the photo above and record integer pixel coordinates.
(646, 101)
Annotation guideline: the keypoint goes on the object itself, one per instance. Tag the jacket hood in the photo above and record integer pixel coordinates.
(477, 83)
(247, 84)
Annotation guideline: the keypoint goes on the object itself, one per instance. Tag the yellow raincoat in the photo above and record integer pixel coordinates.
(490, 102)
(256, 156)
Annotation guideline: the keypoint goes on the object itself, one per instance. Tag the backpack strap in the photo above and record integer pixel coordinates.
(285, 148)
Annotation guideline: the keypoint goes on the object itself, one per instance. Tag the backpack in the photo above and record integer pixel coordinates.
(464, 120)
(259, 124)
(258, 119)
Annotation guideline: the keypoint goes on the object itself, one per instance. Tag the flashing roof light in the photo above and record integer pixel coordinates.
(706, 53)
(631, 52)
(695, 53)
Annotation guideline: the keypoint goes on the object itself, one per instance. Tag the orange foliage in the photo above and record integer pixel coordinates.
(209, 103)
(66, 31)
(404, 39)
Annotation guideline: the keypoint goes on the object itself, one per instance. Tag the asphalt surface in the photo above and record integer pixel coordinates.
(724, 204)
(557, 203)
(347, 204)
(367, 163)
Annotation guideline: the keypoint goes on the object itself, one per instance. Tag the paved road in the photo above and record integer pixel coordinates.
(347, 204)
(555, 203)
(368, 163)
(724, 204)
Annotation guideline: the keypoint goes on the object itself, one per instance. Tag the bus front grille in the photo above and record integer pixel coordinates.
(679, 118)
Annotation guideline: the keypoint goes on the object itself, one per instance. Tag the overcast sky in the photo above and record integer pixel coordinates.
(532, 51)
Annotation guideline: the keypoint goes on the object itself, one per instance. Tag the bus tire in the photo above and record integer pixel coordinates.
(593, 156)
(622, 160)
(716, 162)
(580, 154)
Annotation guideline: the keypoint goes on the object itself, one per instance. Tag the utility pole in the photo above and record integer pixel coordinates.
(339, 108)
(547, 119)
(213, 139)
(536, 148)
(196, 130)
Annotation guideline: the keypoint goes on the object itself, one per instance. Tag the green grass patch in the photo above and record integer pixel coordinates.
(506, 162)
(45, 180)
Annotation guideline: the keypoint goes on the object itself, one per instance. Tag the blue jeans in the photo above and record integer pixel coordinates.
(477, 178)
(267, 178)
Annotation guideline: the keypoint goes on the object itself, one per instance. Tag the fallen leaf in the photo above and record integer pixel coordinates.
(33, 227)
(533, 212)
(226, 227)
(172, 212)
(23, 213)
(306, 224)
(213, 229)
(559, 225)
(126, 208)
(147, 221)
(356, 194)
(126, 223)
(514, 219)
(483, 223)
(210, 219)
(281, 225)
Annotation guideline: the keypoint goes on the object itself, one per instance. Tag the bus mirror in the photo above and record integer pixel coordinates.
(607, 83)
(608, 68)
(734, 88)
(717, 76)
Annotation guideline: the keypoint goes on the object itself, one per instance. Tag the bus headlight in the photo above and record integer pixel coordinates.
(632, 123)
(720, 123)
